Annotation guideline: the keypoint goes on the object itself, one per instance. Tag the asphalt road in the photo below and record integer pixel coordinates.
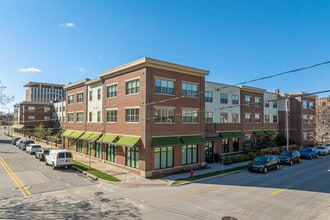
(301, 191)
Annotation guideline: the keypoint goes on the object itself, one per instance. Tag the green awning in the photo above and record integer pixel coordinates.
(194, 139)
(86, 135)
(67, 133)
(226, 134)
(167, 141)
(270, 132)
(107, 138)
(18, 126)
(238, 134)
(128, 141)
(260, 132)
(94, 136)
(76, 134)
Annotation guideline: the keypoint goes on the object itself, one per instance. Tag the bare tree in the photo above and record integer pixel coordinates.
(4, 98)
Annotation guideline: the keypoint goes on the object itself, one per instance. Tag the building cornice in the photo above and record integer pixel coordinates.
(149, 62)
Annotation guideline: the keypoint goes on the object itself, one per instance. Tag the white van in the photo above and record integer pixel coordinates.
(59, 158)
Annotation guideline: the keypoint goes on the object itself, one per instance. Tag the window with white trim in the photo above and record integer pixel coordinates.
(190, 90)
(80, 97)
(189, 116)
(164, 86)
(132, 115)
(132, 87)
(112, 91)
(164, 115)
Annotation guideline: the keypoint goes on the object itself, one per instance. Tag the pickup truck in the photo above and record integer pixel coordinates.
(41, 155)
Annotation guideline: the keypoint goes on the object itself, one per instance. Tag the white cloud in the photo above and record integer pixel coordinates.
(82, 69)
(68, 25)
(30, 70)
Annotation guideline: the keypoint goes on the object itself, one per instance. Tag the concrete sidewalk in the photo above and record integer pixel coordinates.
(130, 179)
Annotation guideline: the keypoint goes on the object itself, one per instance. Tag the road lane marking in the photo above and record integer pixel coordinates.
(24, 190)
(279, 191)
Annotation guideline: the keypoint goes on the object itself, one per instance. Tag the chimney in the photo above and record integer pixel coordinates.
(277, 91)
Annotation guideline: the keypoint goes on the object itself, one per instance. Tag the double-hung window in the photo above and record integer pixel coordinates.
(223, 98)
(164, 86)
(235, 99)
(132, 87)
(70, 99)
(80, 97)
(70, 117)
(190, 90)
(132, 115)
(248, 100)
(257, 101)
(164, 115)
(111, 91)
(208, 97)
(189, 116)
(112, 115)
(80, 117)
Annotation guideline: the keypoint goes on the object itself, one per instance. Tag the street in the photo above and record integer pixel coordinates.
(299, 192)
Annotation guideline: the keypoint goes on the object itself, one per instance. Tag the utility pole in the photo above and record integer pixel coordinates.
(287, 123)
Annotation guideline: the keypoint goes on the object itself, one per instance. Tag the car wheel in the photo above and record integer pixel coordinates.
(278, 166)
(265, 170)
(291, 162)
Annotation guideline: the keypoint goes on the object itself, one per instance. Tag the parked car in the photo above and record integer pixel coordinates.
(24, 143)
(322, 150)
(308, 153)
(59, 158)
(14, 140)
(33, 148)
(18, 142)
(264, 163)
(42, 154)
(290, 157)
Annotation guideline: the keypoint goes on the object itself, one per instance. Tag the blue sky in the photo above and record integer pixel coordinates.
(63, 41)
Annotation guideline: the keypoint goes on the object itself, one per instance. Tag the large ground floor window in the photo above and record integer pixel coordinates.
(163, 157)
(132, 157)
(209, 151)
(70, 144)
(98, 150)
(79, 146)
(111, 153)
(225, 145)
(236, 144)
(189, 154)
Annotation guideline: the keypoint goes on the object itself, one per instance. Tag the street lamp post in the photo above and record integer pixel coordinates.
(287, 123)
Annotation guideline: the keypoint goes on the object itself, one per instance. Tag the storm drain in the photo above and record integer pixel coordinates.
(98, 193)
(105, 200)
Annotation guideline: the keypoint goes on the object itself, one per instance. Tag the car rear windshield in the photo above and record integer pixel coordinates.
(68, 155)
(286, 153)
(260, 159)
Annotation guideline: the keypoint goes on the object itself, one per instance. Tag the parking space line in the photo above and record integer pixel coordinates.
(279, 191)
(15, 179)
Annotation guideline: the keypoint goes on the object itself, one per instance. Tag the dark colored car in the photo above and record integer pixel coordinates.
(14, 140)
(264, 163)
(24, 143)
(290, 157)
(308, 153)
(41, 155)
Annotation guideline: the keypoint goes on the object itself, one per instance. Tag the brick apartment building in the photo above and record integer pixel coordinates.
(30, 115)
(238, 118)
(299, 110)
(146, 116)
(37, 109)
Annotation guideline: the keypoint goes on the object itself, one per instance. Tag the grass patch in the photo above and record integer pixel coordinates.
(206, 175)
(97, 173)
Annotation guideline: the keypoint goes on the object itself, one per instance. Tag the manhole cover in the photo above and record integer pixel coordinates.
(229, 218)
(98, 193)
(105, 200)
